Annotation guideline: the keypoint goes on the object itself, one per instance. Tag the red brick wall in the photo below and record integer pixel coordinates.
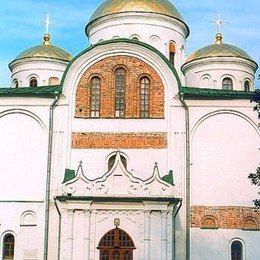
(226, 217)
(119, 140)
(135, 69)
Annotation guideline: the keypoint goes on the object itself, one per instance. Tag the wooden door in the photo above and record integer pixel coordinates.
(116, 245)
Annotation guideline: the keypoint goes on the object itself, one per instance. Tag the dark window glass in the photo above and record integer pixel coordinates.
(247, 86)
(120, 84)
(112, 159)
(145, 91)
(172, 51)
(16, 84)
(33, 82)
(227, 84)
(8, 250)
(236, 250)
(95, 97)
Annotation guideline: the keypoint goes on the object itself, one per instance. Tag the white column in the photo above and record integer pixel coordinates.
(170, 242)
(70, 234)
(147, 217)
(86, 234)
(164, 235)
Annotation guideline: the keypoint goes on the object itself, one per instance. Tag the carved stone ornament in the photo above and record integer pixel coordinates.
(118, 182)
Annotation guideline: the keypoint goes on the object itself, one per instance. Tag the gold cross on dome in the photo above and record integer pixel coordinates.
(219, 23)
(47, 23)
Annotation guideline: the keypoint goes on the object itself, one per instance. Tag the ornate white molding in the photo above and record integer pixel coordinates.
(118, 182)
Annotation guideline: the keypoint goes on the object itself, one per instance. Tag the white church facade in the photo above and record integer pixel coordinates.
(130, 150)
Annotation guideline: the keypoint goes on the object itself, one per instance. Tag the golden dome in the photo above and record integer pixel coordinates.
(46, 50)
(218, 49)
(163, 7)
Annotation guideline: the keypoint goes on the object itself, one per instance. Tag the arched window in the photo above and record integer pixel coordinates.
(8, 247)
(33, 82)
(247, 85)
(205, 83)
(95, 97)
(117, 245)
(227, 84)
(15, 83)
(135, 38)
(236, 250)
(111, 161)
(172, 51)
(144, 97)
(120, 85)
(53, 81)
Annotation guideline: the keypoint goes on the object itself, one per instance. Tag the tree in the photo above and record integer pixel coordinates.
(256, 99)
(255, 180)
(255, 177)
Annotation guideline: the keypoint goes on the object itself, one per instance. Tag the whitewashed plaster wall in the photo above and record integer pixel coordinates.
(225, 144)
(12, 222)
(216, 69)
(216, 244)
(153, 29)
(41, 69)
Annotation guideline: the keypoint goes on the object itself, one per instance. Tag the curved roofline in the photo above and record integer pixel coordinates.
(123, 40)
(234, 57)
(142, 12)
(36, 57)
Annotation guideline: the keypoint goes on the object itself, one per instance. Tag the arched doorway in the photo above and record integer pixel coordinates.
(116, 244)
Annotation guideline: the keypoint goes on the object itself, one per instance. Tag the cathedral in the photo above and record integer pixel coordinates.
(130, 150)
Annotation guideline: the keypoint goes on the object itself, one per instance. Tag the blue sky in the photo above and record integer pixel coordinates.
(21, 25)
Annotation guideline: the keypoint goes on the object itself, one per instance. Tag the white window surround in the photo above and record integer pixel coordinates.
(28, 218)
(243, 247)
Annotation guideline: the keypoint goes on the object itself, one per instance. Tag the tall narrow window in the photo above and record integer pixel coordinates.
(95, 97)
(15, 83)
(247, 86)
(227, 84)
(145, 90)
(172, 51)
(33, 82)
(8, 247)
(236, 250)
(120, 84)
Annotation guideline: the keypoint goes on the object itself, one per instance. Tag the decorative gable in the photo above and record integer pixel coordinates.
(118, 182)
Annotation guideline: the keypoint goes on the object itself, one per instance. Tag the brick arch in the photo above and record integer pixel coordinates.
(209, 221)
(250, 223)
(134, 69)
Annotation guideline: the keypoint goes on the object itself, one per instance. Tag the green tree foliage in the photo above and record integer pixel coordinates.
(255, 180)
(256, 100)
(255, 177)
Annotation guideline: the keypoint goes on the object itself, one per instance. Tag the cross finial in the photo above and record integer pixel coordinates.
(47, 24)
(219, 22)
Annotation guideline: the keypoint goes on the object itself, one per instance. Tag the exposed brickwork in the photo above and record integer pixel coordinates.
(225, 217)
(119, 140)
(135, 69)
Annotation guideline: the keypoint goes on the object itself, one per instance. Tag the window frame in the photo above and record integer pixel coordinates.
(172, 52)
(243, 247)
(225, 84)
(96, 111)
(147, 94)
(33, 78)
(245, 86)
(4, 257)
(120, 93)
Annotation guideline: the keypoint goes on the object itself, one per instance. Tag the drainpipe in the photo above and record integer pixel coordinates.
(174, 228)
(48, 179)
(187, 130)
(59, 234)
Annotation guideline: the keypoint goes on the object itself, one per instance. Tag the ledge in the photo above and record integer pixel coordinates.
(205, 93)
(47, 91)
(117, 199)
